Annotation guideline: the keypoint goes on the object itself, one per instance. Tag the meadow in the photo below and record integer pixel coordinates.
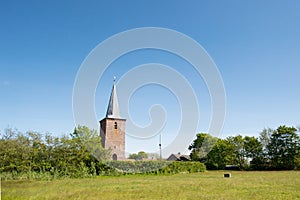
(203, 185)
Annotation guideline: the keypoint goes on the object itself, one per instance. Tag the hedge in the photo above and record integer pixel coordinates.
(152, 167)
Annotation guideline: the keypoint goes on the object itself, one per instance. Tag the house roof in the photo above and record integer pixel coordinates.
(179, 157)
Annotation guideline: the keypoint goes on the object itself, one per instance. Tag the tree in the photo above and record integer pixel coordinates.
(284, 148)
(253, 148)
(74, 155)
(15, 152)
(139, 156)
(133, 156)
(239, 150)
(9, 133)
(265, 139)
(222, 154)
(201, 146)
(254, 151)
(89, 140)
(38, 151)
(142, 154)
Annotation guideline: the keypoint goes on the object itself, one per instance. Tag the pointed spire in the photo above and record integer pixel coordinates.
(113, 106)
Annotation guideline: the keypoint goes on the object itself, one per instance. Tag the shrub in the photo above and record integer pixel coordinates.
(183, 167)
(152, 167)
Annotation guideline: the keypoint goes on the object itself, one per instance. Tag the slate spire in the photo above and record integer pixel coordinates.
(113, 106)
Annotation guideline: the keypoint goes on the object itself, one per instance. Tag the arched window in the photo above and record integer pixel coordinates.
(115, 157)
(116, 125)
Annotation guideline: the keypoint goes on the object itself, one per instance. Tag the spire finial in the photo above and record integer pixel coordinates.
(115, 79)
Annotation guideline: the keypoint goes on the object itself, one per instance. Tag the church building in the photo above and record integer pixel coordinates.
(112, 128)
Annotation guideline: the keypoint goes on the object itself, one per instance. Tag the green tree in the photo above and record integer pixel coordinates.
(15, 152)
(253, 147)
(239, 150)
(74, 155)
(89, 140)
(222, 154)
(133, 156)
(38, 151)
(254, 152)
(142, 154)
(139, 156)
(284, 148)
(265, 139)
(201, 146)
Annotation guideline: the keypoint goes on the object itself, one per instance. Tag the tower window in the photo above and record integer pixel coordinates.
(116, 125)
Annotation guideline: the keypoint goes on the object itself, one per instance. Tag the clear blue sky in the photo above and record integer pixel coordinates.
(255, 44)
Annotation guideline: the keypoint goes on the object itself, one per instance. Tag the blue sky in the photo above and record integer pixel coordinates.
(255, 45)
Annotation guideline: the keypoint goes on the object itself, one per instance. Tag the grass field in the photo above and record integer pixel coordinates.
(205, 185)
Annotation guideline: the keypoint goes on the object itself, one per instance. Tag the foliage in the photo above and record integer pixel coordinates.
(254, 152)
(221, 155)
(137, 166)
(80, 154)
(25, 155)
(253, 148)
(155, 167)
(182, 167)
(201, 146)
(284, 148)
(265, 139)
(274, 149)
(139, 156)
(239, 152)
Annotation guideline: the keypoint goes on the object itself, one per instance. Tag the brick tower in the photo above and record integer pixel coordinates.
(112, 128)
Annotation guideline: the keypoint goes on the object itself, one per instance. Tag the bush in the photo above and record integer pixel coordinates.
(110, 168)
(152, 167)
(134, 167)
(183, 167)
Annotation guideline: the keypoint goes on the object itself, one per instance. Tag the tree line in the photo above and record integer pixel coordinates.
(277, 149)
(80, 153)
(33, 154)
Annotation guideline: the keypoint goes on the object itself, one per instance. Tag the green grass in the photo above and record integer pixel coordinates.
(205, 185)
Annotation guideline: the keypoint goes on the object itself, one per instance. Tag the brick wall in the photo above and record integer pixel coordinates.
(113, 136)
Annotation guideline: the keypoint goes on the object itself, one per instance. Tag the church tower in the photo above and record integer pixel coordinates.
(112, 128)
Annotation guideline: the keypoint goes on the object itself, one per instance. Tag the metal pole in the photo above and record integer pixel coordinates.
(160, 146)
